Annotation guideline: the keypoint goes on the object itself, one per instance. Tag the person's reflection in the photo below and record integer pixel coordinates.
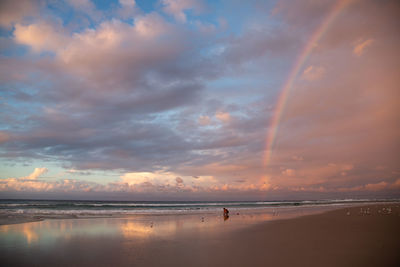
(226, 214)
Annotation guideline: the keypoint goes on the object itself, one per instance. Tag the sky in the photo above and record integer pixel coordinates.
(199, 100)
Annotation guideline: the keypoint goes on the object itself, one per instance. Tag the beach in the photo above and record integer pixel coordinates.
(366, 235)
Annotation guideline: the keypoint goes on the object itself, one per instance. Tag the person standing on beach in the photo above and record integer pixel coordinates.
(226, 214)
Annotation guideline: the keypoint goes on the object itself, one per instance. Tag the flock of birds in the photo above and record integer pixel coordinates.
(367, 211)
(385, 211)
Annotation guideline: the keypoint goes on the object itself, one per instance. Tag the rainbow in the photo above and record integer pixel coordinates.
(297, 66)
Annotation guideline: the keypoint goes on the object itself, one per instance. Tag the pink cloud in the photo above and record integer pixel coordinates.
(36, 173)
(313, 73)
(289, 172)
(40, 36)
(204, 120)
(177, 8)
(223, 116)
(3, 137)
(370, 187)
(376, 187)
(396, 184)
(361, 46)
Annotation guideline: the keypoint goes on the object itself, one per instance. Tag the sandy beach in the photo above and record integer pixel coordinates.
(352, 236)
(362, 238)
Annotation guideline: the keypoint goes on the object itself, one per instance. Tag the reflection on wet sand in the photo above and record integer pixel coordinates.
(136, 227)
(47, 232)
(24, 230)
(132, 229)
(31, 236)
(163, 226)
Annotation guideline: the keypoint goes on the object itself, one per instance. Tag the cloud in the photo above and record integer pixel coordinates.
(40, 37)
(86, 7)
(297, 158)
(223, 116)
(312, 73)
(131, 93)
(289, 172)
(81, 4)
(370, 187)
(135, 61)
(137, 178)
(396, 184)
(37, 173)
(306, 13)
(31, 177)
(13, 184)
(3, 137)
(163, 182)
(309, 189)
(151, 26)
(206, 28)
(128, 9)
(177, 8)
(361, 46)
(376, 186)
(150, 182)
(204, 120)
(15, 11)
(128, 3)
(113, 43)
(28, 183)
(256, 44)
(31, 183)
(73, 171)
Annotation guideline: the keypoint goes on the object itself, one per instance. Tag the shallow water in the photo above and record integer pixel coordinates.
(139, 227)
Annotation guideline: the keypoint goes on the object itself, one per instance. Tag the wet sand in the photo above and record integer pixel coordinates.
(355, 236)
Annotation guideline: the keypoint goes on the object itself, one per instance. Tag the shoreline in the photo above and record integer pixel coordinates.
(27, 217)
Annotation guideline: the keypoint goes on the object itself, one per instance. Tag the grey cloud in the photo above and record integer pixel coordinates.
(15, 11)
(257, 44)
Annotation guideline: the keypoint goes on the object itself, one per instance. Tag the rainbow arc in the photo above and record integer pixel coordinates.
(297, 66)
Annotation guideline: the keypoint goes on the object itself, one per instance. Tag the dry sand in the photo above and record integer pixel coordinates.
(345, 237)
(330, 239)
